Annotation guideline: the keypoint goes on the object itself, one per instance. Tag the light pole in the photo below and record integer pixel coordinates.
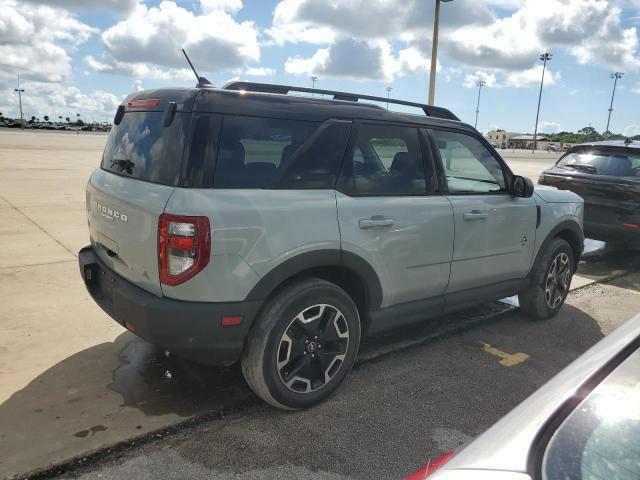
(434, 52)
(545, 57)
(615, 76)
(479, 84)
(20, 91)
(388, 92)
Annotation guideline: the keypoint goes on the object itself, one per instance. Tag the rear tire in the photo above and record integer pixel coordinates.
(302, 345)
(550, 281)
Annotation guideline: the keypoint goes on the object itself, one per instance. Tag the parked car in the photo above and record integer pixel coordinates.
(246, 224)
(607, 175)
(583, 424)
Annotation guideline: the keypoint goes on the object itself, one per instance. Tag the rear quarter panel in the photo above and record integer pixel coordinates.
(252, 232)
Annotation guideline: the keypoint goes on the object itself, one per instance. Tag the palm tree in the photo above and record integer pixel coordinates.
(60, 118)
(68, 119)
(46, 118)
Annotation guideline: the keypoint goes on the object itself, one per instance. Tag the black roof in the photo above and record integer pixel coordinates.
(628, 143)
(278, 105)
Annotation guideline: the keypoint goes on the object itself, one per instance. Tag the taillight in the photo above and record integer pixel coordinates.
(184, 246)
(429, 468)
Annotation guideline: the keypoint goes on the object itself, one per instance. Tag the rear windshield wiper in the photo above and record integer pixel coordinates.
(124, 164)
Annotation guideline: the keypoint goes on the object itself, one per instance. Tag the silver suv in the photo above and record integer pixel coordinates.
(244, 223)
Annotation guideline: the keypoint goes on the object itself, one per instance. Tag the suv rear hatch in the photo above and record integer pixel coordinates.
(140, 168)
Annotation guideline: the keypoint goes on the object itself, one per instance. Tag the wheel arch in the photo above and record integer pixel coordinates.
(347, 270)
(569, 231)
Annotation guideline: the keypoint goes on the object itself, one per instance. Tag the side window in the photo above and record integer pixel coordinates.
(252, 149)
(468, 165)
(317, 162)
(387, 160)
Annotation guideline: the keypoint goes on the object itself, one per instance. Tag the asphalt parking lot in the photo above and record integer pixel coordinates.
(73, 382)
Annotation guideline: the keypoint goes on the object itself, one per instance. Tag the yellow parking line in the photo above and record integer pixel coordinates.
(506, 359)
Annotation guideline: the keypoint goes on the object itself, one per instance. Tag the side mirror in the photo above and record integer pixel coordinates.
(521, 186)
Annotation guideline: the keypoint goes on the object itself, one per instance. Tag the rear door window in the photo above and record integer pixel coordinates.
(141, 147)
(602, 162)
(259, 152)
(386, 160)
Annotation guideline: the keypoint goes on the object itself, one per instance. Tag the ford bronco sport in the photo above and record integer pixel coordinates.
(244, 223)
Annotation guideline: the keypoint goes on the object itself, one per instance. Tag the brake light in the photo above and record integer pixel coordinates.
(146, 103)
(184, 247)
(429, 468)
(630, 225)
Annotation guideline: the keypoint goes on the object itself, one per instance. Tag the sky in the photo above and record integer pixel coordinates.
(81, 56)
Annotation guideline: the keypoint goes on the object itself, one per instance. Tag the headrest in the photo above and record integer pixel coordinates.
(404, 163)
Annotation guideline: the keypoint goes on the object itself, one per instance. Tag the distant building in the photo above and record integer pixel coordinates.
(500, 139)
(526, 142)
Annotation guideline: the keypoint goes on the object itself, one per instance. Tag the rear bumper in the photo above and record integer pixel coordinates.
(190, 329)
(610, 231)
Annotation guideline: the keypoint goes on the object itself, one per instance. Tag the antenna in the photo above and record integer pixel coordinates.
(202, 82)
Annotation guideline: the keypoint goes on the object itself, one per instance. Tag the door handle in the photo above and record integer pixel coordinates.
(375, 221)
(475, 215)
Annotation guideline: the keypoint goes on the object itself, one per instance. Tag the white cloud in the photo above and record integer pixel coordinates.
(56, 100)
(347, 58)
(531, 76)
(631, 131)
(119, 6)
(359, 60)
(35, 46)
(321, 21)
(231, 6)
(259, 71)
(471, 79)
(546, 126)
(471, 35)
(582, 27)
(148, 42)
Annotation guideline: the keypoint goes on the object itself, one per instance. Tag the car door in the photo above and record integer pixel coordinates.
(494, 230)
(391, 214)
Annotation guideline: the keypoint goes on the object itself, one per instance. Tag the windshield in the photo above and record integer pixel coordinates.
(621, 164)
(600, 439)
(141, 147)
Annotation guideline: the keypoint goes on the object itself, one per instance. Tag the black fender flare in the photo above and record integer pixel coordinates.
(577, 236)
(320, 258)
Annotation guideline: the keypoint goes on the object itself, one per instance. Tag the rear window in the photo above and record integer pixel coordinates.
(600, 439)
(277, 153)
(599, 162)
(141, 147)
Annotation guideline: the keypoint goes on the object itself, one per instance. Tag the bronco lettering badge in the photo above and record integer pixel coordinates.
(110, 213)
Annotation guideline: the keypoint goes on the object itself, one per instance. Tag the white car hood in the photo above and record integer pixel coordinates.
(553, 195)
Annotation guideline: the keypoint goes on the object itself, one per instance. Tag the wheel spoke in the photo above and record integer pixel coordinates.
(312, 348)
(558, 279)
(298, 368)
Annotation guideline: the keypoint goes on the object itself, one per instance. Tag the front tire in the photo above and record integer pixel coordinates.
(550, 282)
(303, 344)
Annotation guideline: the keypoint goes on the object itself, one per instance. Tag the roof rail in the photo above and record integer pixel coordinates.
(429, 110)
